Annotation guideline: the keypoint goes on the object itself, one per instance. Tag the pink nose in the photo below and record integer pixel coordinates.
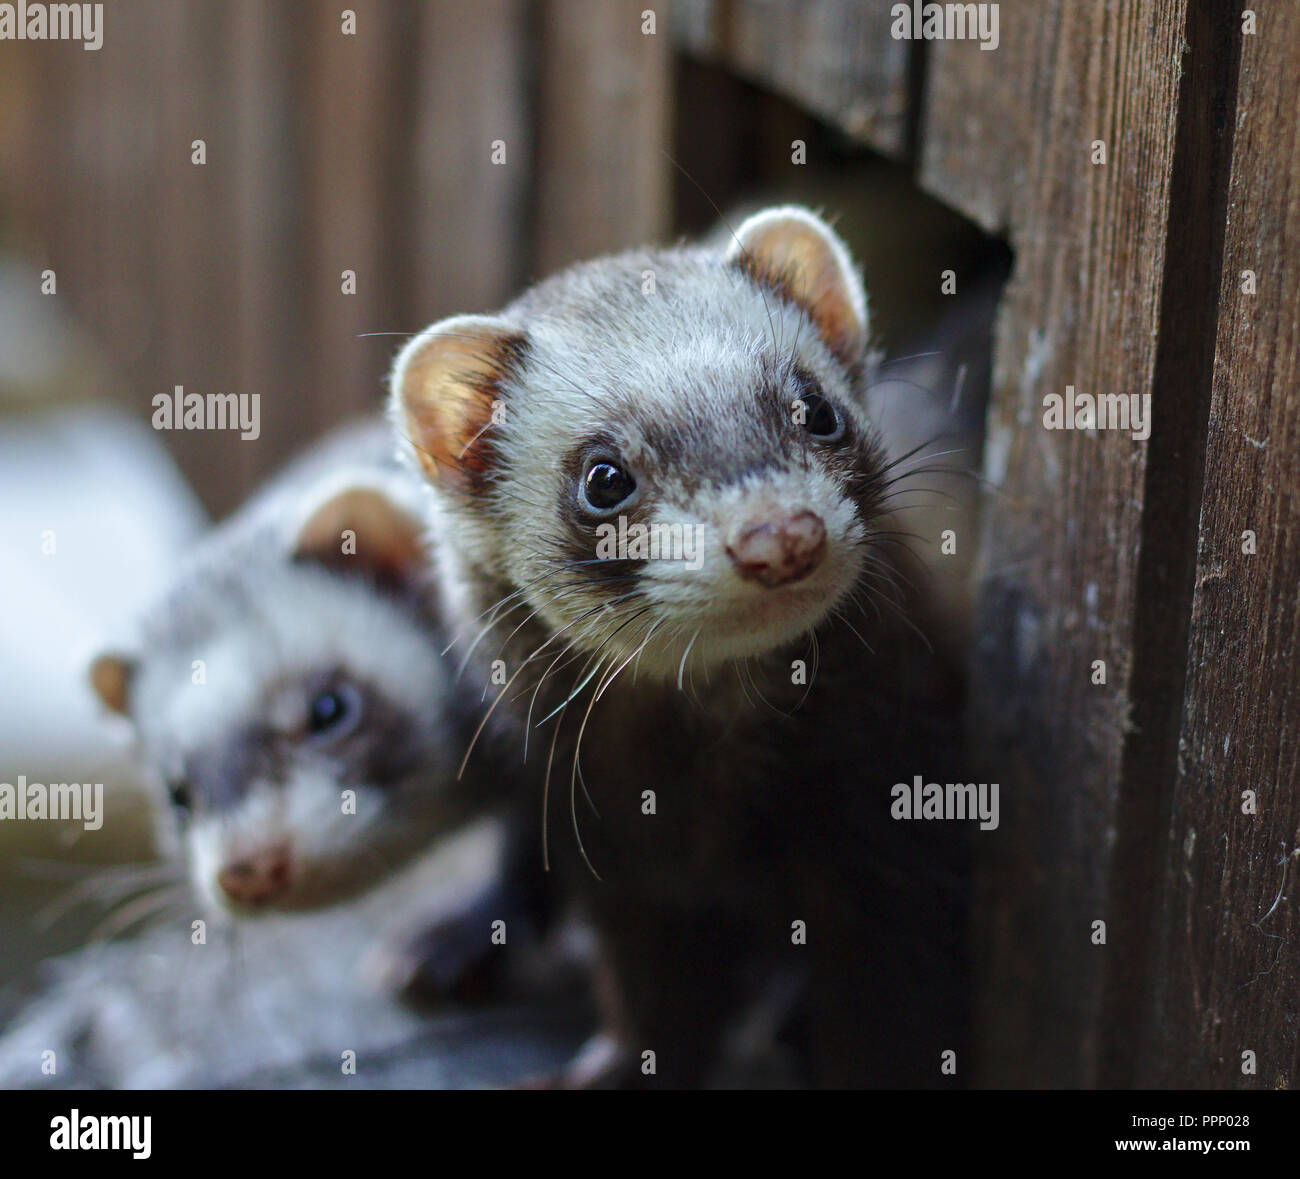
(778, 552)
(258, 878)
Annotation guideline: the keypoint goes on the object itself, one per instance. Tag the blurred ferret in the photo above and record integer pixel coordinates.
(288, 694)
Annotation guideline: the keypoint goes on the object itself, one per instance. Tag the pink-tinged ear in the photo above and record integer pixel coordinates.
(110, 676)
(446, 395)
(364, 528)
(799, 256)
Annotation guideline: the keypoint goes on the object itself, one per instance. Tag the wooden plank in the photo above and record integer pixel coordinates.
(1228, 977)
(603, 181)
(350, 89)
(459, 220)
(1006, 139)
(836, 58)
(274, 341)
(1171, 509)
(195, 292)
(118, 114)
(69, 141)
(985, 130)
(36, 160)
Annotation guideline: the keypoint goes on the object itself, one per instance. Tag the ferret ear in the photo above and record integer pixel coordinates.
(801, 258)
(446, 395)
(110, 676)
(362, 527)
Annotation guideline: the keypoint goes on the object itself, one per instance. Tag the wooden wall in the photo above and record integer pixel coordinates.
(326, 152)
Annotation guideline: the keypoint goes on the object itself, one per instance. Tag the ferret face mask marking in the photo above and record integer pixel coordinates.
(664, 453)
(314, 683)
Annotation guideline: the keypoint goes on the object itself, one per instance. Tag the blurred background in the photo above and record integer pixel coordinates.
(362, 145)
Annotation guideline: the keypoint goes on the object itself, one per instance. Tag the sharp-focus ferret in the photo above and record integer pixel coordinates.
(665, 529)
(289, 692)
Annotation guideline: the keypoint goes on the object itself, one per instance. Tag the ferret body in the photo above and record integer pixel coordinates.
(289, 694)
(716, 738)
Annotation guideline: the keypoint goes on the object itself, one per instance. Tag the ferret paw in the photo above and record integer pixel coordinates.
(452, 960)
(603, 1062)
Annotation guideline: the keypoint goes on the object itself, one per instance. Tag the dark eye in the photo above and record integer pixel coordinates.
(606, 485)
(179, 792)
(821, 419)
(333, 710)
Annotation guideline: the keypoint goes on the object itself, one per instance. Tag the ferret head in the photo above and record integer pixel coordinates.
(665, 454)
(281, 698)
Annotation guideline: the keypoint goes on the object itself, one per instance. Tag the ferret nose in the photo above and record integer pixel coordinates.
(258, 878)
(778, 552)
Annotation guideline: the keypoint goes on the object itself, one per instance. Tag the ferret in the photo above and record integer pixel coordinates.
(289, 695)
(719, 720)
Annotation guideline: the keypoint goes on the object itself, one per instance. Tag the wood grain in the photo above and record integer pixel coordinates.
(605, 115)
(189, 246)
(460, 220)
(1006, 139)
(1227, 977)
(345, 108)
(835, 58)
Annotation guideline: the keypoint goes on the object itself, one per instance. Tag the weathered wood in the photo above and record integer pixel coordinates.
(834, 57)
(142, 239)
(193, 292)
(275, 347)
(459, 219)
(1171, 509)
(1006, 139)
(603, 180)
(352, 85)
(75, 128)
(1228, 965)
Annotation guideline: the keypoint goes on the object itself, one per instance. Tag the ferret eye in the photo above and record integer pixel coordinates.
(606, 485)
(179, 793)
(821, 419)
(332, 711)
